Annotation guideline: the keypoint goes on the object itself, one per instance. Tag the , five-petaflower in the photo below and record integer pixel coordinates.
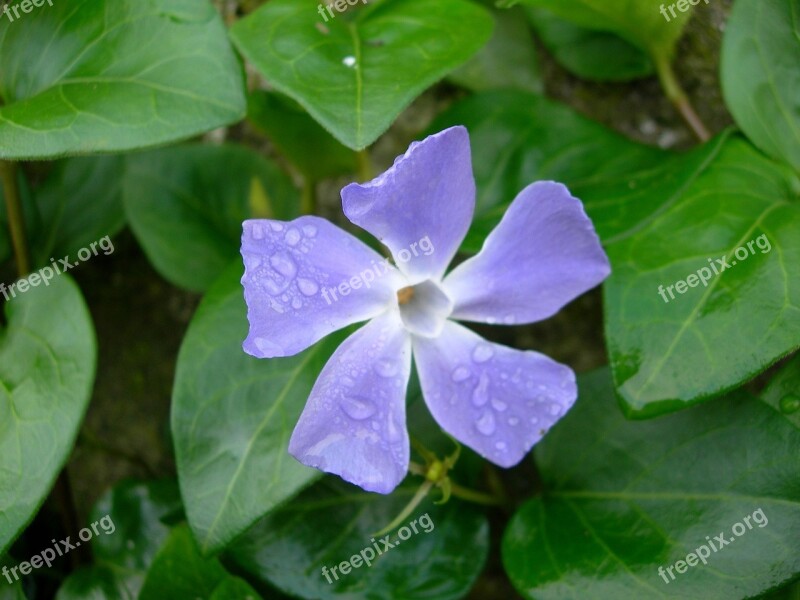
(494, 399)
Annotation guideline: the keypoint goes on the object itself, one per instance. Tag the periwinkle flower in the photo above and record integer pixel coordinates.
(307, 278)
